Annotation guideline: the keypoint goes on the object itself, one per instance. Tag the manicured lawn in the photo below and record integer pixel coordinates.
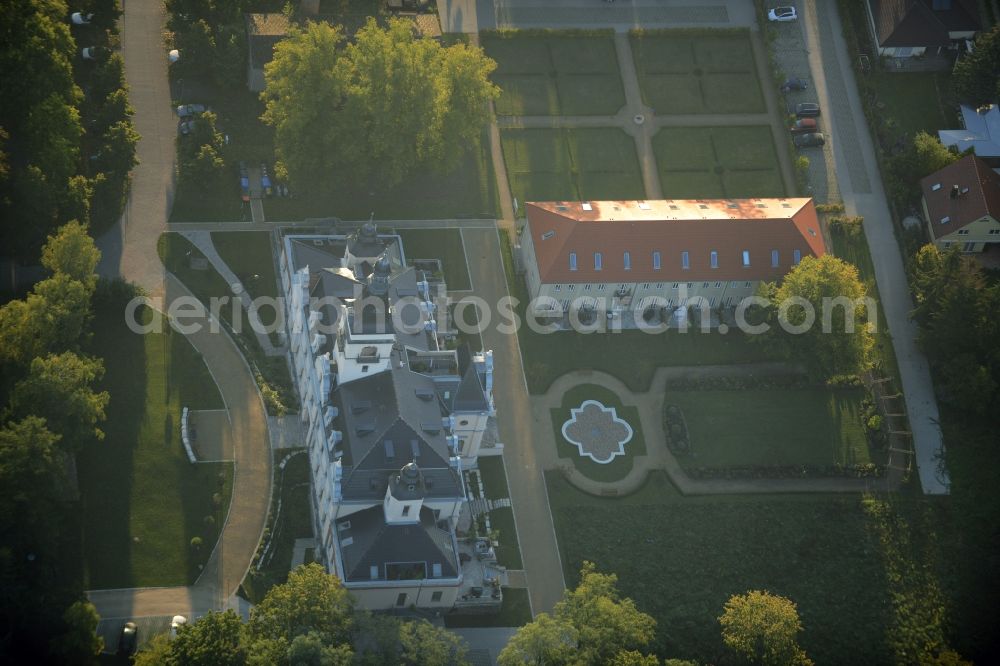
(681, 558)
(632, 356)
(555, 73)
(141, 500)
(248, 253)
(918, 101)
(468, 191)
(293, 523)
(697, 71)
(713, 162)
(509, 551)
(571, 164)
(515, 611)
(806, 426)
(494, 476)
(443, 244)
(618, 468)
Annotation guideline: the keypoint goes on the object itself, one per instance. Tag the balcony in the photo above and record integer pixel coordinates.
(481, 578)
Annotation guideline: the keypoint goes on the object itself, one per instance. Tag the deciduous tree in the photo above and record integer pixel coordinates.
(213, 640)
(311, 600)
(543, 641)
(79, 644)
(763, 628)
(72, 251)
(423, 644)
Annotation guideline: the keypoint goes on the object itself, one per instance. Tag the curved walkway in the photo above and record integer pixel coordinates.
(129, 251)
(658, 456)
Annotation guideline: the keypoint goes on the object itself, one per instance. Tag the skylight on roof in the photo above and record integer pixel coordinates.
(572, 261)
(548, 234)
(586, 206)
(945, 220)
(598, 261)
(935, 187)
(657, 263)
(643, 205)
(628, 260)
(731, 205)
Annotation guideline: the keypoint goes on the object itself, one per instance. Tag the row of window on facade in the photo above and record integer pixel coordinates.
(713, 259)
(966, 247)
(658, 285)
(712, 301)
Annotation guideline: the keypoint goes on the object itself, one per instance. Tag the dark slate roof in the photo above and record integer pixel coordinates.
(471, 394)
(375, 543)
(263, 32)
(385, 423)
(917, 23)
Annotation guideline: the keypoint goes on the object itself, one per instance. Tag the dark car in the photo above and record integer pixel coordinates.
(807, 110)
(185, 127)
(189, 110)
(129, 639)
(794, 83)
(809, 140)
(803, 126)
(265, 180)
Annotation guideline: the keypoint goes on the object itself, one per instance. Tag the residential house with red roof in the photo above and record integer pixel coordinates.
(961, 205)
(620, 255)
(905, 28)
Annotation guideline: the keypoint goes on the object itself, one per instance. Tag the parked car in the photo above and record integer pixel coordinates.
(93, 52)
(188, 110)
(265, 180)
(175, 625)
(807, 110)
(794, 83)
(244, 182)
(79, 18)
(810, 140)
(128, 640)
(782, 14)
(804, 126)
(185, 127)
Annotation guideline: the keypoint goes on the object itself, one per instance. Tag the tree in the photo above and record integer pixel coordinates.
(634, 658)
(311, 650)
(383, 106)
(543, 641)
(214, 640)
(976, 78)
(423, 644)
(955, 311)
(80, 644)
(72, 251)
(839, 340)
(763, 628)
(60, 387)
(199, 157)
(156, 652)
(606, 622)
(53, 317)
(923, 157)
(30, 468)
(311, 600)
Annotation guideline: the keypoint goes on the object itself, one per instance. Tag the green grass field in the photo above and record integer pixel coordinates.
(618, 468)
(713, 162)
(443, 244)
(917, 101)
(494, 476)
(861, 584)
(249, 253)
(685, 73)
(815, 426)
(571, 164)
(555, 74)
(141, 500)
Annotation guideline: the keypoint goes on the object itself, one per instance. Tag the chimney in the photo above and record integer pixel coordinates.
(954, 191)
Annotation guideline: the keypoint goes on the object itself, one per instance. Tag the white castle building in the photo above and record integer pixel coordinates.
(392, 418)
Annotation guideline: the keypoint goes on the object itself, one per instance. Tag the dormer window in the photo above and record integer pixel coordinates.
(713, 258)
(774, 258)
(685, 260)
(628, 260)
(746, 258)
(796, 257)
(598, 261)
(572, 261)
(657, 262)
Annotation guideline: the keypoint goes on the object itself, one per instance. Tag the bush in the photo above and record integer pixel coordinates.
(874, 423)
(196, 543)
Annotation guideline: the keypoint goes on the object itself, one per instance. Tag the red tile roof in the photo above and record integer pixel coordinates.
(670, 227)
(982, 198)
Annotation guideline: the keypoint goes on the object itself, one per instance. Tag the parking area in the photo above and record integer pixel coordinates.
(792, 57)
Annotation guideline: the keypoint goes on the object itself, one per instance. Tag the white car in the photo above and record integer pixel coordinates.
(175, 625)
(93, 52)
(79, 18)
(782, 14)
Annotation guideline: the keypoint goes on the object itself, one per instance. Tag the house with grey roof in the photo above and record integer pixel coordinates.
(980, 132)
(393, 417)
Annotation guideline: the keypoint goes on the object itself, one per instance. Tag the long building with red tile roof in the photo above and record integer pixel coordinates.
(624, 253)
(962, 205)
